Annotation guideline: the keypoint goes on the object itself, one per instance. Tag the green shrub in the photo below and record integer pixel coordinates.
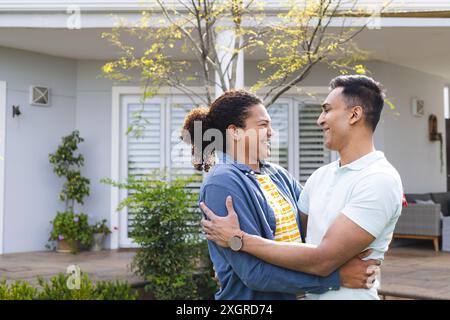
(166, 225)
(66, 164)
(19, 290)
(117, 290)
(56, 288)
(101, 227)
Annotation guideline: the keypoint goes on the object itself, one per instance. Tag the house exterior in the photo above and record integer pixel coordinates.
(40, 47)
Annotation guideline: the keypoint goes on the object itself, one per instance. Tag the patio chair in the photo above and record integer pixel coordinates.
(420, 221)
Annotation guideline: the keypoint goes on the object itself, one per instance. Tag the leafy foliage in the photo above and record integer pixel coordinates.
(292, 43)
(101, 227)
(56, 288)
(19, 290)
(66, 165)
(172, 253)
(74, 228)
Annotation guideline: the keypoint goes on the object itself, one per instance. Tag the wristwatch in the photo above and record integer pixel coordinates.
(236, 242)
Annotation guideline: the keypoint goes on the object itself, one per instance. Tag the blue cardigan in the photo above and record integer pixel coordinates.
(243, 276)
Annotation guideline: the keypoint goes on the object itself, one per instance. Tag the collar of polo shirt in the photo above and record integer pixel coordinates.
(362, 162)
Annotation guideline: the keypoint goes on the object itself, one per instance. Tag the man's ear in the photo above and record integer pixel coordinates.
(356, 115)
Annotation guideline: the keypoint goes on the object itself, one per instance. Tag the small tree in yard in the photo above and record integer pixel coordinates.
(66, 164)
(68, 225)
(293, 42)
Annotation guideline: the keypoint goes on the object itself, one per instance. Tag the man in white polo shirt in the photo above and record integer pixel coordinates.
(348, 206)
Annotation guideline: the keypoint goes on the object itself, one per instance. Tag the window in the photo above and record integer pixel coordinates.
(311, 152)
(279, 113)
(144, 149)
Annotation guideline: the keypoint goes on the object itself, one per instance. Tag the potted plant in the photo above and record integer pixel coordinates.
(99, 232)
(70, 229)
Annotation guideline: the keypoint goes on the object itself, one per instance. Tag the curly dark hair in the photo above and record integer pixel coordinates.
(231, 108)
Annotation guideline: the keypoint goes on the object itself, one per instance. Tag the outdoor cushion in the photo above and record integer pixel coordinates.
(429, 202)
(444, 199)
(412, 197)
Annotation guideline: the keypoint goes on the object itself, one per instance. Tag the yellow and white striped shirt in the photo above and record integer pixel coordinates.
(287, 228)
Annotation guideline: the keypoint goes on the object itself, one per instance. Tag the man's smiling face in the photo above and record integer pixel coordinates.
(335, 120)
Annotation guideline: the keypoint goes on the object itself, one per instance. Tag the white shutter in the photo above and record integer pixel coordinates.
(143, 151)
(312, 153)
(279, 112)
(180, 153)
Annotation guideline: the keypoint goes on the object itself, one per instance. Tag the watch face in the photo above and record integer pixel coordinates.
(235, 243)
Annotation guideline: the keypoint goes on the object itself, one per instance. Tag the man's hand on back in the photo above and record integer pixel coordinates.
(358, 273)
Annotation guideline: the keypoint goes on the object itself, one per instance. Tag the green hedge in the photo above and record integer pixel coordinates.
(56, 288)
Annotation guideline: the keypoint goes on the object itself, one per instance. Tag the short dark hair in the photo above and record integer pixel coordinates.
(363, 91)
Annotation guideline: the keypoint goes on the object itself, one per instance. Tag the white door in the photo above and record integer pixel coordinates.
(153, 145)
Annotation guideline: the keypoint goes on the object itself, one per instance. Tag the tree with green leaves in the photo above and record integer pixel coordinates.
(68, 226)
(66, 164)
(210, 36)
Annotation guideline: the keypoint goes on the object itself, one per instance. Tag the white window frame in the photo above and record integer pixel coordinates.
(3, 114)
(118, 93)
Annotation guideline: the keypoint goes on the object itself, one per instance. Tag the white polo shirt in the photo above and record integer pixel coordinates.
(369, 192)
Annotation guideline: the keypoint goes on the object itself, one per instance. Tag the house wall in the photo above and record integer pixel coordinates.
(406, 137)
(31, 187)
(93, 119)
